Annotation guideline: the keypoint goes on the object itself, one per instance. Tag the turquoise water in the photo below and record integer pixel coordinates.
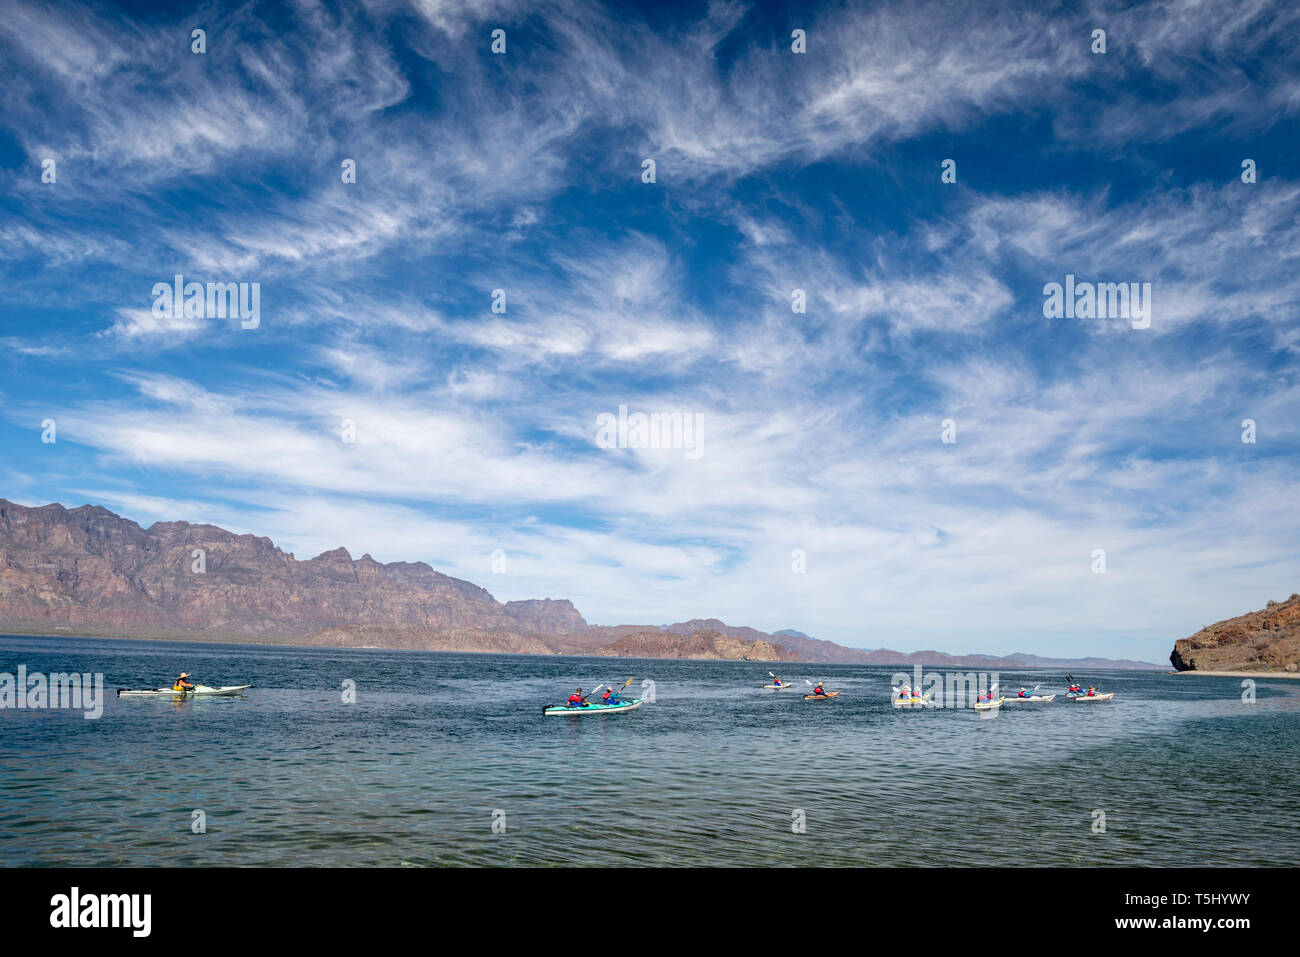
(713, 772)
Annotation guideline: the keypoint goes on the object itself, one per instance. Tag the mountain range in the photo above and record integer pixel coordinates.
(89, 571)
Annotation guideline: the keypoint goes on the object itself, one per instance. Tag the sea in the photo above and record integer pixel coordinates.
(377, 758)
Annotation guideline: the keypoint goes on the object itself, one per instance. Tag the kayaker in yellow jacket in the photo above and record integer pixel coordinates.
(182, 684)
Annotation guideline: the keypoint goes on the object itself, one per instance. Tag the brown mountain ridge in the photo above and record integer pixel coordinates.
(89, 571)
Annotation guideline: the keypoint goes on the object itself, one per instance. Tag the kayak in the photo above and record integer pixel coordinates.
(988, 705)
(910, 702)
(1031, 699)
(632, 705)
(1097, 697)
(776, 687)
(820, 697)
(200, 691)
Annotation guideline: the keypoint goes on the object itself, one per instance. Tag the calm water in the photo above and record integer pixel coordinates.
(711, 773)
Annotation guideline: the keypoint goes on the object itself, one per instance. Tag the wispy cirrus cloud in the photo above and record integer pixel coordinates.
(821, 429)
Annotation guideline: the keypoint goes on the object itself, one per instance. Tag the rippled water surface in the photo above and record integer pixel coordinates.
(713, 772)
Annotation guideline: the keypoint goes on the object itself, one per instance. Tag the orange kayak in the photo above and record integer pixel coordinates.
(820, 697)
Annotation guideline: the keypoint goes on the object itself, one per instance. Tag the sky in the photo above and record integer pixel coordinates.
(920, 457)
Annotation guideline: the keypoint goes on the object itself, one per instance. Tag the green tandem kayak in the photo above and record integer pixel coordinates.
(632, 705)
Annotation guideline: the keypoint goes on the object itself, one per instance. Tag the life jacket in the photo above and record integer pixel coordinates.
(605, 696)
(575, 698)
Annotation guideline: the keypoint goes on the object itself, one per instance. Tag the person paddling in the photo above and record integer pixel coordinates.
(610, 696)
(576, 700)
(777, 682)
(1092, 692)
(819, 690)
(1023, 693)
(182, 683)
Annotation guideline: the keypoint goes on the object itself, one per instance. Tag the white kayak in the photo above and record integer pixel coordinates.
(988, 705)
(1031, 699)
(776, 687)
(199, 691)
(1096, 697)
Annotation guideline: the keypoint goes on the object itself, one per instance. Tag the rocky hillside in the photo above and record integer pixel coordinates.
(710, 645)
(86, 568)
(1266, 640)
(415, 638)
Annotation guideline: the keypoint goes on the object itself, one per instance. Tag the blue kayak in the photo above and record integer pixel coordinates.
(593, 708)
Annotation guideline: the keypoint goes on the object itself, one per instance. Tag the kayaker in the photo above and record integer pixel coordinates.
(819, 690)
(904, 694)
(576, 700)
(182, 684)
(777, 682)
(610, 696)
(1023, 693)
(1092, 692)
(916, 694)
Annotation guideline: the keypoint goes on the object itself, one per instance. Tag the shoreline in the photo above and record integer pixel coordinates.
(280, 642)
(1240, 674)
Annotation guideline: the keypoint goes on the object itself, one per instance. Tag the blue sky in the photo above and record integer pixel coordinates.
(476, 431)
